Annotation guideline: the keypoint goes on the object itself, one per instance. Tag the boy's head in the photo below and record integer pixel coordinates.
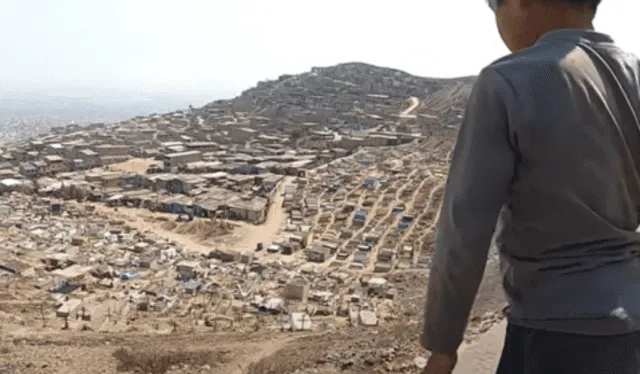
(522, 22)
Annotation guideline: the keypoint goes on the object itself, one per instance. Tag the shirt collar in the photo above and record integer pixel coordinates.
(575, 34)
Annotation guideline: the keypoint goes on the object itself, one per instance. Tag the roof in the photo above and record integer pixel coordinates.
(182, 154)
(200, 144)
(108, 146)
(74, 271)
(10, 182)
(255, 204)
(53, 158)
(272, 178)
(59, 256)
(301, 163)
(88, 152)
(209, 203)
(239, 178)
(189, 264)
(216, 175)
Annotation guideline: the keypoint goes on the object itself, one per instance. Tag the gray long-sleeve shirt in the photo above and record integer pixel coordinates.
(551, 147)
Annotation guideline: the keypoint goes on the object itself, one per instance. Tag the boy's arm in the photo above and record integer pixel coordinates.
(480, 174)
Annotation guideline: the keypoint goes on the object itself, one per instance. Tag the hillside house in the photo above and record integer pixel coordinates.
(202, 146)
(29, 171)
(296, 289)
(225, 255)
(240, 134)
(108, 150)
(174, 160)
(90, 158)
(253, 210)
(240, 182)
(318, 254)
(55, 149)
(269, 182)
(183, 184)
(58, 260)
(104, 179)
(54, 165)
(187, 269)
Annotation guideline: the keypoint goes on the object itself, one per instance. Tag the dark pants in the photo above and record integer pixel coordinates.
(529, 351)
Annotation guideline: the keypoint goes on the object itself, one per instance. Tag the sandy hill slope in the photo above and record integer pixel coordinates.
(336, 92)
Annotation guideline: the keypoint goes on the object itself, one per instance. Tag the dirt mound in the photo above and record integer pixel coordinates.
(200, 229)
(160, 360)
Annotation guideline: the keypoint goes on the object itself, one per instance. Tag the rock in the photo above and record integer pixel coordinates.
(346, 364)
(371, 360)
(368, 318)
(300, 321)
(420, 362)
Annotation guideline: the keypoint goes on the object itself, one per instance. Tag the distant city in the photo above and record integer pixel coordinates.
(24, 113)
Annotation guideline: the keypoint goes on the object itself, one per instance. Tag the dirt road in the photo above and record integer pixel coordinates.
(135, 217)
(415, 102)
(245, 236)
(271, 228)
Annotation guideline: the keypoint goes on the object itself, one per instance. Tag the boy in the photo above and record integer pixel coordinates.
(550, 144)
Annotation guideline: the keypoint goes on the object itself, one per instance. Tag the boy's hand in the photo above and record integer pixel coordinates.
(440, 363)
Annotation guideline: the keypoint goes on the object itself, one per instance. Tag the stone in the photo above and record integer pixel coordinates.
(367, 318)
(420, 362)
(300, 322)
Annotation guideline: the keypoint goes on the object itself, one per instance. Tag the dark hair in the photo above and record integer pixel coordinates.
(593, 4)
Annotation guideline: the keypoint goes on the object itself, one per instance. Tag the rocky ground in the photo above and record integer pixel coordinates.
(391, 348)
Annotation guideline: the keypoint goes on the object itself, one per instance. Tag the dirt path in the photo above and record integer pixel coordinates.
(273, 225)
(438, 189)
(244, 237)
(415, 102)
(135, 218)
(258, 353)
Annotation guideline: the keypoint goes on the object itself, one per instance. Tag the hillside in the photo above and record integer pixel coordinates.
(333, 94)
(312, 204)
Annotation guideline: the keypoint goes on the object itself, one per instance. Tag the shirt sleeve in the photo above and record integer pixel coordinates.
(481, 171)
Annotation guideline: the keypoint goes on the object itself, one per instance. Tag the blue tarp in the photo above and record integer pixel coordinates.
(192, 284)
(176, 208)
(129, 276)
(407, 218)
(64, 288)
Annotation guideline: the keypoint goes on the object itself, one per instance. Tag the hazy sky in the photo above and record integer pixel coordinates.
(224, 46)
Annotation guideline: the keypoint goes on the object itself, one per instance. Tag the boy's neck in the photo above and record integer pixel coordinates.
(559, 17)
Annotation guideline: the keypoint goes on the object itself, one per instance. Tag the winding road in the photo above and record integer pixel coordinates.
(414, 104)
